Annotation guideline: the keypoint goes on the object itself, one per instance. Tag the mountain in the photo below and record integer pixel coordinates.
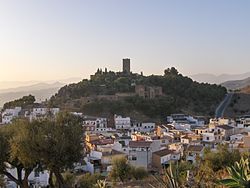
(237, 84)
(41, 91)
(35, 87)
(14, 84)
(218, 79)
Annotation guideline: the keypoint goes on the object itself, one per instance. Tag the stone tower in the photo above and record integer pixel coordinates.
(126, 65)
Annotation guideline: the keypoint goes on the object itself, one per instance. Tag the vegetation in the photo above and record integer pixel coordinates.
(213, 167)
(53, 144)
(88, 180)
(122, 171)
(2, 181)
(181, 94)
(239, 175)
(22, 102)
(9, 156)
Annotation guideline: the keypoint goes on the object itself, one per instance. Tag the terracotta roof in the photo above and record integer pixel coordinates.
(163, 152)
(196, 148)
(102, 142)
(138, 144)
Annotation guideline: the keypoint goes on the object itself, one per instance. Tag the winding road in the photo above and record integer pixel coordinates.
(223, 105)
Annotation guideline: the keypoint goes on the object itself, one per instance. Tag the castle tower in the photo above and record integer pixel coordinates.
(126, 65)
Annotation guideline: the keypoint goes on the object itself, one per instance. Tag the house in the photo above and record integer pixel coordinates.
(140, 153)
(122, 123)
(96, 124)
(201, 130)
(161, 159)
(41, 112)
(106, 157)
(9, 114)
(162, 129)
(236, 137)
(184, 119)
(208, 137)
(193, 152)
(223, 132)
(142, 127)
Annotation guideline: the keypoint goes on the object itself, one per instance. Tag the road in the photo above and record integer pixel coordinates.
(223, 105)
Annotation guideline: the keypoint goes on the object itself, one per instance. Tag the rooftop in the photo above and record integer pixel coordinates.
(163, 152)
(138, 144)
(226, 127)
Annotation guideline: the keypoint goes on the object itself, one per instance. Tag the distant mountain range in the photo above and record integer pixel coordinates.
(41, 90)
(237, 84)
(218, 79)
(15, 84)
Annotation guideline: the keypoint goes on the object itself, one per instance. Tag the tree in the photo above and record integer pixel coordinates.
(239, 175)
(22, 102)
(138, 173)
(56, 143)
(11, 143)
(120, 169)
(171, 71)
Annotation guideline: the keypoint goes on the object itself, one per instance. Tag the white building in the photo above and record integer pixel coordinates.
(122, 123)
(99, 124)
(237, 137)
(142, 127)
(9, 114)
(208, 137)
(42, 112)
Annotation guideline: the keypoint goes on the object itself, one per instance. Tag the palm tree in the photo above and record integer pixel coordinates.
(239, 175)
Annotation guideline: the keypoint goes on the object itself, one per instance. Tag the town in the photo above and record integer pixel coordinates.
(147, 145)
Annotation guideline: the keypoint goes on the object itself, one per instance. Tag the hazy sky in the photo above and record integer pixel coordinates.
(55, 39)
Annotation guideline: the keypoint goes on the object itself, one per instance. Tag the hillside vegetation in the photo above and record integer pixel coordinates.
(181, 94)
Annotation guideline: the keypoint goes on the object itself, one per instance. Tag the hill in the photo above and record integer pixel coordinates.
(218, 79)
(236, 84)
(239, 105)
(245, 90)
(107, 93)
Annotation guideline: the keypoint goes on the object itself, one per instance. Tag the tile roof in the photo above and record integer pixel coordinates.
(163, 152)
(138, 144)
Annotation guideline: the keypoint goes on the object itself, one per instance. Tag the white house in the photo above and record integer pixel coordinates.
(237, 137)
(42, 112)
(208, 137)
(99, 124)
(9, 114)
(122, 122)
(193, 152)
(142, 127)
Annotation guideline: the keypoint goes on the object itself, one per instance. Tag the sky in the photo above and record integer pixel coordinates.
(58, 39)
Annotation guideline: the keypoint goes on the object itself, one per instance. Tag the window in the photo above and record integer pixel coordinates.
(134, 158)
(207, 138)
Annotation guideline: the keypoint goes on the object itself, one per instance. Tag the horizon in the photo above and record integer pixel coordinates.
(52, 41)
